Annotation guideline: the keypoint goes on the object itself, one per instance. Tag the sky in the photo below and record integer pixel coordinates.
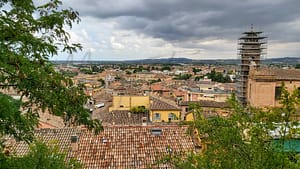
(195, 29)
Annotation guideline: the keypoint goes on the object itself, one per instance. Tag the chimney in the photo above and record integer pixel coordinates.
(144, 121)
(129, 114)
(74, 142)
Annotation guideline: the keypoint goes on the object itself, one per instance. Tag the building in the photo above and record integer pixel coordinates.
(208, 109)
(207, 91)
(264, 85)
(164, 111)
(251, 50)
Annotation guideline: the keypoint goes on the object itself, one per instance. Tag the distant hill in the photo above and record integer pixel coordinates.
(283, 60)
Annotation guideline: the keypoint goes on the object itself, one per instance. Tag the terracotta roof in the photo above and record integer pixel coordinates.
(59, 136)
(158, 104)
(45, 125)
(158, 87)
(206, 103)
(145, 87)
(121, 146)
(276, 73)
(119, 117)
(179, 93)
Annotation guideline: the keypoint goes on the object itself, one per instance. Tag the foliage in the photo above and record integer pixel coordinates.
(155, 81)
(102, 82)
(139, 69)
(218, 77)
(195, 70)
(40, 156)
(69, 73)
(13, 122)
(243, 140)
(95, 68)
(168, 68)
(118, 78)
(198, 78)
(139, 109)
(86, 71)
(182, 77)
(29, 36)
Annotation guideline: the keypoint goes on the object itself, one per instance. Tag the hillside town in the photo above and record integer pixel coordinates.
(145, 108)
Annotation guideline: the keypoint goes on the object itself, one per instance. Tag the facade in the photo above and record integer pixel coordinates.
(211, 93)
(162, 111)
(160, 90)
(251, 50)
(209, 108)
(128, 102)
(264, 85)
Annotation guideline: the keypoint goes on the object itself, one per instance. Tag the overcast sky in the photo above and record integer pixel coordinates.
(197, 29)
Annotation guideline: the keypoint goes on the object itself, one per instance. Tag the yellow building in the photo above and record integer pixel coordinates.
(161, 111)
(128, 102)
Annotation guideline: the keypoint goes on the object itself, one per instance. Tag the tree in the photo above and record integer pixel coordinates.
(40, 156)
(102, 82)
(218, 77)
(139, 109)
(182, 77)
(243, 140)
(195, 70)
(29, 36)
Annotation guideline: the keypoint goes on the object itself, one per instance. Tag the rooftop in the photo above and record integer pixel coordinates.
(122, 117)
(206, 103)
(119, 146)
(158, 104)
(276, 73)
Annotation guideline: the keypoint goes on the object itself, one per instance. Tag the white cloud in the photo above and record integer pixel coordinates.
(139, 29)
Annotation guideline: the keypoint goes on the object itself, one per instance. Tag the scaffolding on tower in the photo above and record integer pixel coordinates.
(251, 50)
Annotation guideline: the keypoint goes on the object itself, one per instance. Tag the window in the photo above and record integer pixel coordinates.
(171, 116)
(156, 116)
(277, 93)
(250, 90)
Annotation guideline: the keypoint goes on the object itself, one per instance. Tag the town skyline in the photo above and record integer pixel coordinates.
(130, 30)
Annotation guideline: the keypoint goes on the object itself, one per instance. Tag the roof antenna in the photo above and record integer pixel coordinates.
(251, 27)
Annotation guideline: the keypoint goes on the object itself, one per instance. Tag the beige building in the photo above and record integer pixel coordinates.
(209, 109)
(264, 85)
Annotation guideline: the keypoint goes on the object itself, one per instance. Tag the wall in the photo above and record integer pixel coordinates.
(127, 102)
(164, 115)
(261, 94)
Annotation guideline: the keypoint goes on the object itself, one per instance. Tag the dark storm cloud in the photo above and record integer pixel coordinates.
(177, 20)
